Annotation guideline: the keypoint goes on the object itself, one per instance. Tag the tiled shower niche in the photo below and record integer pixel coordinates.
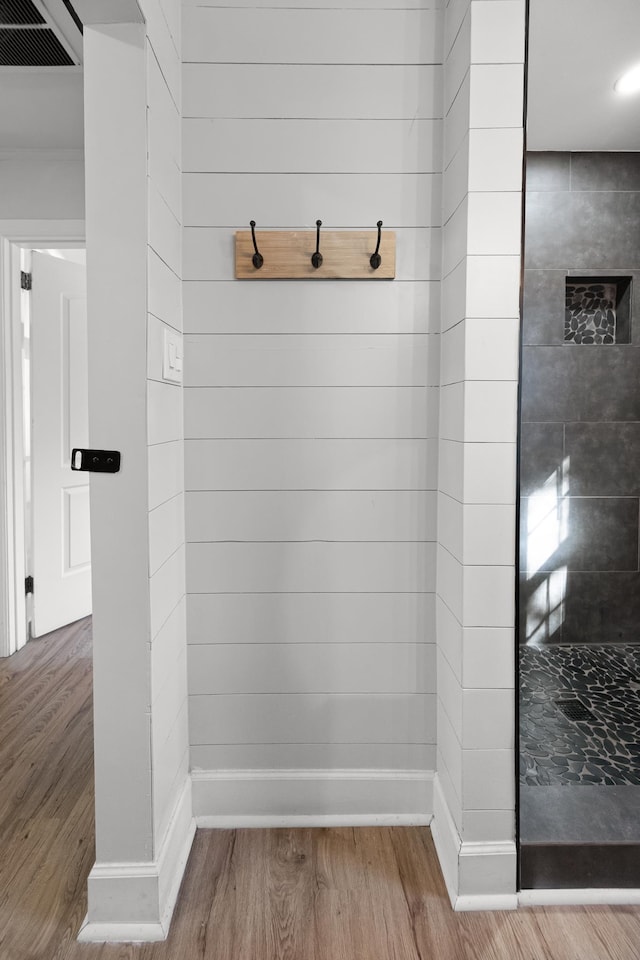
(597, 310)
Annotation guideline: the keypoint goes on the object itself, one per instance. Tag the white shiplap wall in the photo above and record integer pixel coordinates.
(474, 802)
(143, 801)
(169, 739)
(311, 408)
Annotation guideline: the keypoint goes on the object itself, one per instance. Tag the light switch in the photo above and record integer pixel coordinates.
(172, 357)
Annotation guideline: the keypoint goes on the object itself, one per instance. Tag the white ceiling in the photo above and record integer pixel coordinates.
(577, 50)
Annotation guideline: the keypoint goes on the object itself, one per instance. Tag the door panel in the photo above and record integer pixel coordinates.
(59, 398)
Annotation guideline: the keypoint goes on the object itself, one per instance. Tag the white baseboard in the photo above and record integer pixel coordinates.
(478, 876)
(571, 898)
(312, 798)
(478, 902)
(121, 932)
(135, 901)
(446, 840)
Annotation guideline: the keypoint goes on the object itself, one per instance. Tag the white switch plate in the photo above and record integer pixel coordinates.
(172, 357)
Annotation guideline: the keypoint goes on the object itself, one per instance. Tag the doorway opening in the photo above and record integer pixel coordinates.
(579, 495)
(47, 581)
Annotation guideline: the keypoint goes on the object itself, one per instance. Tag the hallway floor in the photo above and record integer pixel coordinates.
(330, 894)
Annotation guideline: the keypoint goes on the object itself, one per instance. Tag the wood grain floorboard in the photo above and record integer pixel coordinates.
(322, 894)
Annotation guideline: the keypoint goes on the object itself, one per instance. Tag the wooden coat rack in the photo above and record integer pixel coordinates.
(315, 255)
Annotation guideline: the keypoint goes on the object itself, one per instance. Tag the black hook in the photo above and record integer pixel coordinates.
(375, 259)
(316, 259)
(257, 258)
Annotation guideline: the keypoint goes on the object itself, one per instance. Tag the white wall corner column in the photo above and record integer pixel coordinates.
(144, 823)
(474, 790)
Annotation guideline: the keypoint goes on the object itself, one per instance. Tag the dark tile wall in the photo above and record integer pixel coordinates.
(580, 447)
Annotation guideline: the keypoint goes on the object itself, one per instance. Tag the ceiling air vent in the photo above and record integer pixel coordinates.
(19, 11)
(41, 34)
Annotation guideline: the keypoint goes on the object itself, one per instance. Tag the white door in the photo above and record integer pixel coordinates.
(59, 415)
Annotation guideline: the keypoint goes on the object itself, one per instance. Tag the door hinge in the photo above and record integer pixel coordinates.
(28, 585)
(25, 280)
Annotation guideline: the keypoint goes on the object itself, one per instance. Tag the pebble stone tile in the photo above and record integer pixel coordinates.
(602, 750)
(590, 315)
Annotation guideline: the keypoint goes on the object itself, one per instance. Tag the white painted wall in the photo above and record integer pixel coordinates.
(169, 754)
(41, 143)
(41, 185)
(474, 798)
(41, 108)
(311, 408)
(143, 799)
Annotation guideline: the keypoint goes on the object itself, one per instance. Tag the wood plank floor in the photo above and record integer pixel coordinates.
(331, 894)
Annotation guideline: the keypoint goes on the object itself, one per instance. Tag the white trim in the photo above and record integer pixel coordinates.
(13, 234)
(135, 901)
(446, 840)
(486, 901)
(570, 898)
(263, 822)
(311, 773)
(43, 232)
(478, 876)
(121, 932)
(12, 613)
(487, 874)
(312, 798)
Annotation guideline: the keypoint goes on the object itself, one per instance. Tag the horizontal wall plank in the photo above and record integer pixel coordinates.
(310, 618)
(313, 718)
(312, 146)
(163, 116)
(335, 306)
(170, 765)
(314, 756)
(295, 200)
(312, 668)
(166, 531)
(240, 35)
(164, 412)
(170, 699)
(312, 92)
(166, 471)
(165, 232)
(209, 255)
(167, 649)
(162, 46)
(309, 360)
(164, 291)
(280, 412)
(163, 133)
(310, 567)
(291, 516)
(166, 589)
(311, 464)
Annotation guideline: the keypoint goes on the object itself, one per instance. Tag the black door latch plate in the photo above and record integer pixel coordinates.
(95, 461)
